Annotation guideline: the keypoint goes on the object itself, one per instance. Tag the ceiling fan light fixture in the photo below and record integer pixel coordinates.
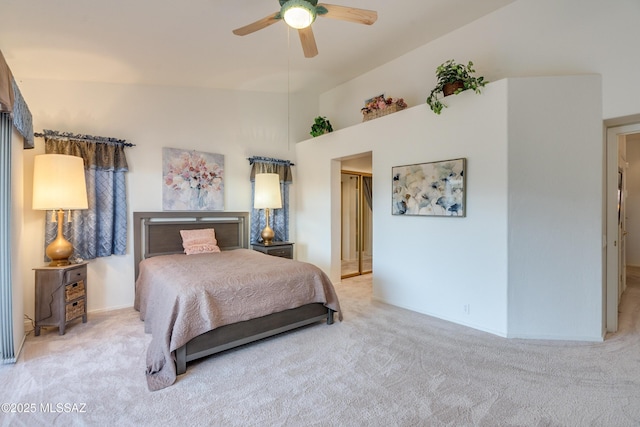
(298, 14)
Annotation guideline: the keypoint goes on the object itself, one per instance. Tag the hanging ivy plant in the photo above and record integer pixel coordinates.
(453, 78)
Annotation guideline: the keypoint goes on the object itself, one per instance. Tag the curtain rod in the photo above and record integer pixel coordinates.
(261, 159)
(88, 138)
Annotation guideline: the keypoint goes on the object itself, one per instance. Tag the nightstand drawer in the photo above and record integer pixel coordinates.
(75, 275)
(74, 310)
(74, 291)
(279, 249)
(286, 252)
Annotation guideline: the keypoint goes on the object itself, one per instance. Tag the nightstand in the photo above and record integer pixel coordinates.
(281, 249)
(61, 295)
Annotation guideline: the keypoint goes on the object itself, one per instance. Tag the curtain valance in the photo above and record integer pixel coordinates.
(12, 102)
(271, 165)
(97, 151)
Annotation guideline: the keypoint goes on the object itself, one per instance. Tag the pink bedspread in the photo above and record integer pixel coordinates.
(182, 296)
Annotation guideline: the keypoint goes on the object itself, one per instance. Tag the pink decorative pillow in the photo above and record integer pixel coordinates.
(200, 241)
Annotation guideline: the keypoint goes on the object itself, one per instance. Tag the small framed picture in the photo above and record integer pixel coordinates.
(429, 189)
(374, 100)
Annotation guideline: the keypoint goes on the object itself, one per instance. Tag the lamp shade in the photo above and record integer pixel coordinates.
(298, 14)
(58, 182)
(267, 191)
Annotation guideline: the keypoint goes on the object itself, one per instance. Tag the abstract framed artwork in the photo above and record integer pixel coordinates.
(430, 189)
(192, 180)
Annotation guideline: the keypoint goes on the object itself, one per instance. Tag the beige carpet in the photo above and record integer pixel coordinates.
(382, 366)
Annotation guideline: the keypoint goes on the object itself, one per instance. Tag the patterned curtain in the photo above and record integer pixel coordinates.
(279, 217)
(100, 230)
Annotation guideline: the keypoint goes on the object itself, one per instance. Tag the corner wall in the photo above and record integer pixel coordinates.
(526, 260)
(431, 265)
(555, 208)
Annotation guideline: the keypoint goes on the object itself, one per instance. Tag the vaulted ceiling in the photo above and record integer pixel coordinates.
(190, 43)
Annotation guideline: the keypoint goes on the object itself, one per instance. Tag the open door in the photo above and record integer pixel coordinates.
(616, 190)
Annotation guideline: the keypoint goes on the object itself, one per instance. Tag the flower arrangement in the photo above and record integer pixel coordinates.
(382, 103)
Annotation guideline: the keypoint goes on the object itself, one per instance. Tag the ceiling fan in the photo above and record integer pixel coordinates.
(300, 14)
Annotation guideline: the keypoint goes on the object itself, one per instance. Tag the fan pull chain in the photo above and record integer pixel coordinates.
(288, 87)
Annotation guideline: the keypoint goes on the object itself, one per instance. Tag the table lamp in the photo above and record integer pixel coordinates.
(59, 184)
(267, 196)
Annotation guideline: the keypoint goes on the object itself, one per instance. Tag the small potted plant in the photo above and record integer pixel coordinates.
(321, 126)
(453, 78)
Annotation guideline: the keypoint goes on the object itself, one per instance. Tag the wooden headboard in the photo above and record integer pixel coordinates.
(158, 233)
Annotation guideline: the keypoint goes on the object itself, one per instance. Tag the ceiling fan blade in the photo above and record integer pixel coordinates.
(308, 41)
(258, 25)
(351, 14)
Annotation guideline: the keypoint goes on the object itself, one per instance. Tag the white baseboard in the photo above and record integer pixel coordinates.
(105, 310)
(29, 327)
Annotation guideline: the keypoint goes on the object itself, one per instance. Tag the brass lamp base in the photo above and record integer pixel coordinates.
(267, 233)
(60, 249)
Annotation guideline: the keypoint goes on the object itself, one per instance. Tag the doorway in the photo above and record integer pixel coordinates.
(356, 217)
(623, 214)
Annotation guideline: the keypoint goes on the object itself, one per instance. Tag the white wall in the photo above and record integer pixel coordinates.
(555, 208)
(526, 38)
(526, 260)
(235, 124)
(358, 164)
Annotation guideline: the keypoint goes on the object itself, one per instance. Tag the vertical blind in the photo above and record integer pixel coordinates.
(13, 112)
(7, 350)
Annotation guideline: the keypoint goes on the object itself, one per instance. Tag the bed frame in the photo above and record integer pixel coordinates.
(158, 233)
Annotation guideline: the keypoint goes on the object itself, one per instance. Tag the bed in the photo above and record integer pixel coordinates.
(180, 296)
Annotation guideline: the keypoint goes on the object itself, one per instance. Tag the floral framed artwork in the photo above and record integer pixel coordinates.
(192, 180)
(430, 189)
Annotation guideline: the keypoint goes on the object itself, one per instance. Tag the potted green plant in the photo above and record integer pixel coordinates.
(321, 126)
(453, 78)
